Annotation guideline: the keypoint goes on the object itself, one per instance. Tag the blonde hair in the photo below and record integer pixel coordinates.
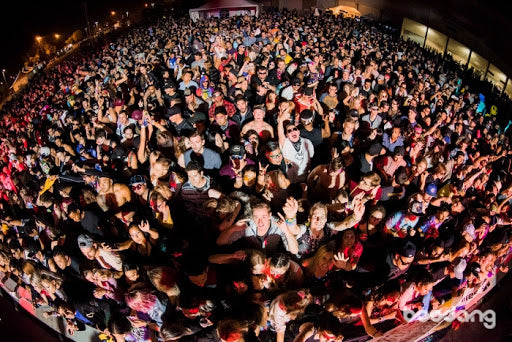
(313, 262)
(373, 177)
(317, 205)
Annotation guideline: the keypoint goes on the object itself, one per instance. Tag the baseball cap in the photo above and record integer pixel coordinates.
(92, 172)
(236, 150)
(431, 189)
(137, 179)
(168, 85)
(118, 103)
(296, 81)
(44, 151)
(173, 111)
(307, 115)
(375, 149)
(85, 240)
(458, 268)
(198, 116)
(475, 269)
(136, 115)
(408, 250)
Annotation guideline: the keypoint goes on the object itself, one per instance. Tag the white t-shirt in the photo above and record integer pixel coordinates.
(278, 317)
(298, 161)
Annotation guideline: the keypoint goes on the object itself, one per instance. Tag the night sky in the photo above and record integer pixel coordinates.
(21, 21)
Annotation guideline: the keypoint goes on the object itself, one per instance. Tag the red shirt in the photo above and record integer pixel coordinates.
(230, 108)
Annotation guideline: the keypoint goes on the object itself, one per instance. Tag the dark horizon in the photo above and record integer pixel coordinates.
(24, 20)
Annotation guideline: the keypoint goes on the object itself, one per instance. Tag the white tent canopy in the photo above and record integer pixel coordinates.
(233, 7)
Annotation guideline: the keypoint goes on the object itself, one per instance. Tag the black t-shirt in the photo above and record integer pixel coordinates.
(90, 222)
(315, 135)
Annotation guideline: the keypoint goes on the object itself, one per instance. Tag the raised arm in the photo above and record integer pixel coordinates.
(153, 233)
(280, 131)
(291, 241)
(290, 209)
(233, 233)
(351, 220)
(326, 130)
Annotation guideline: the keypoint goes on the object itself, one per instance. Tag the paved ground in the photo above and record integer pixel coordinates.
(17, 325)
(20, 326)
(499, 300)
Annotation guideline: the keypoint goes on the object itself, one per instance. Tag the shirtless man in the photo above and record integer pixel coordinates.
(265, 131)
(325, 180)
(111, 196)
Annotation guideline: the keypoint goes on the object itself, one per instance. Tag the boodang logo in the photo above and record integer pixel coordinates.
(487, 318)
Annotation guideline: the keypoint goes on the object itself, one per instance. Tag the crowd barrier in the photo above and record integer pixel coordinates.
(412, 331)
(451, 310)
(24, 299)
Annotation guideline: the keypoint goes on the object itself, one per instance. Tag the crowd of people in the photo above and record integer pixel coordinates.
(280, 178)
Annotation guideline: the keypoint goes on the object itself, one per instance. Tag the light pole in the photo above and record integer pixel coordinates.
(39, 48)
(87, 18)
(5, 80)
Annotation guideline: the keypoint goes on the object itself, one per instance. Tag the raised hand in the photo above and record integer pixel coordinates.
(359, 209)
(144, 226)
(268, 195)
(340, 260)
(262, 170)
(240, 224)
(240, 255)
(291, 207)
(334, 153)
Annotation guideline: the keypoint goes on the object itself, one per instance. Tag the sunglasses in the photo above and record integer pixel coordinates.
(237, 157)
(292, 130)
(405, 263)
(137, 187)
(277, 155)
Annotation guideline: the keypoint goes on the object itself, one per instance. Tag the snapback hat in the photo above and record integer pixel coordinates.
(236, 151)
(431, 189)
(198, 116)
(408, 250)
(85, 240)
(137, 179)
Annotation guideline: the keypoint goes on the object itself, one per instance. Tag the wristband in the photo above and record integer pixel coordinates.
(291, 221)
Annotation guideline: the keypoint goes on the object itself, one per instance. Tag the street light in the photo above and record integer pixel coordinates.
(113, 13)
(39, 38)
(57, 36)
(5, 80)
